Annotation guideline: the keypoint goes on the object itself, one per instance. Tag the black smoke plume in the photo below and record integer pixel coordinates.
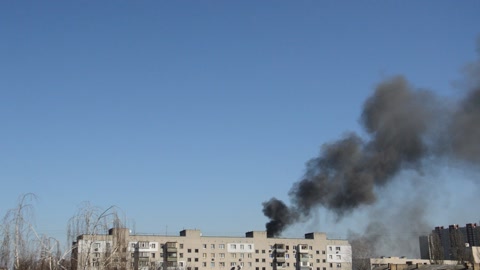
(404, 127)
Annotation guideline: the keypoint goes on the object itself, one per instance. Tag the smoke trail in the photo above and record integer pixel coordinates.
(402, 126)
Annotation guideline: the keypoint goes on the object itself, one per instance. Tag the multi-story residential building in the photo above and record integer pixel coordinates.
(450, 243)
(191, 251)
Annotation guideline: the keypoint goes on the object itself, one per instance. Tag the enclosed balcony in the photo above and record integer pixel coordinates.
(171, 246)
(303, 257)
(280, 248)
(171, 257)
(302, 248)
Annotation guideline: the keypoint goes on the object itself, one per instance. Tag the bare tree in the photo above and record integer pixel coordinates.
(458, 247)
(16, 249)
(98, 238)
(436, 249)
(21, 246)
(362, 251)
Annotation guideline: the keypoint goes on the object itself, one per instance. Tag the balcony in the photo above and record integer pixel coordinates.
(280, 259)
(143, 255)
(302, 248)
(171, 246)
(303, 258)
(171, 259)
(280, 248)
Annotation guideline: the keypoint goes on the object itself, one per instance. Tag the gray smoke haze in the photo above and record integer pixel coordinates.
(404, 128)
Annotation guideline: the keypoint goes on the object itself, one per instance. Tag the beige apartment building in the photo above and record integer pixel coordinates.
(191, 251)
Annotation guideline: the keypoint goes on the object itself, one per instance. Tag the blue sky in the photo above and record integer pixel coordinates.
(190, 114)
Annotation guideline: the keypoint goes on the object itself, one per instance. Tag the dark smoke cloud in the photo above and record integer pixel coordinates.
(402, 126)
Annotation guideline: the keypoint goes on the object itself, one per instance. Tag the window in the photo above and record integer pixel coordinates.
(339, 257)
(324, 261)
(189, 259)
(257, 260)
(212, 255)
(250, 247)
(263, 268)
(222, 264)
(152, 245)
(212, 264)
(222, 255)
(263, 260)
(249, 255)
(318, 261)
(242, 255)
(189, 250)
(330, 248)
(161, 255)
(263, 250)
(196, 268)
(256, 251)
(323, 251)
(204, 255)
(339, 265)
(181, 245)
(196, 259)
(181, 255)
(212, 246)
(204, 264)
(331, 265)
(233, 246)
(257, 268)
(233, 264)
(204, 246)
(153, 255)
(221, 246)
(196, 250)
(318, 252)
(242, 247)
(337, 248)
(132, 245)
(234, 255)
(330, 256)
(310, 247)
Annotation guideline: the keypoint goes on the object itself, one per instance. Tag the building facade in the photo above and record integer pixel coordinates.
(450, 243)
(191, 251)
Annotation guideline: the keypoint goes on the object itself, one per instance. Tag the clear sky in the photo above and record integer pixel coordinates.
(190, 114)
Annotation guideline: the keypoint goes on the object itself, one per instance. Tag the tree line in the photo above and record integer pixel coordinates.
(23, 248)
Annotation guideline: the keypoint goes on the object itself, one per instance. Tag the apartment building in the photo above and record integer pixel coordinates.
(190, 250)
(450, 243)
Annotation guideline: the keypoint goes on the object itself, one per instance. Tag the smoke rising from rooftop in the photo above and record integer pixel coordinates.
(404, 126)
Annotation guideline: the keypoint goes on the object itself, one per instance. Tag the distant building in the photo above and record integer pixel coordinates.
(402, 263)
(191, 251)
(450, 243)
